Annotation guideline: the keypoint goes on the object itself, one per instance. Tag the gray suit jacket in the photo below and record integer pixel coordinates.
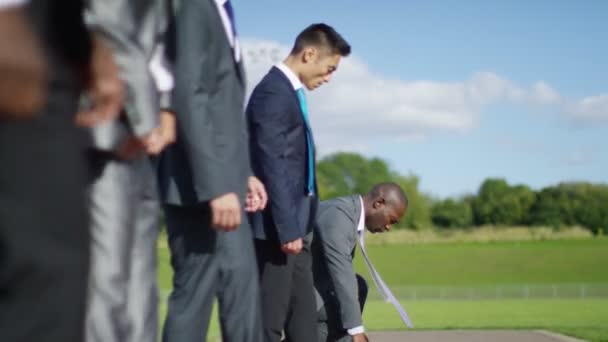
(132, 28)
(333, 250)
(211, 154)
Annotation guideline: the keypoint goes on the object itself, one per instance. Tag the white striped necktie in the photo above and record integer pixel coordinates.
(385, 292)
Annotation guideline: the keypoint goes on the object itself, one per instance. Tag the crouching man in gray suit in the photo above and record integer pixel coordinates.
(340, 224)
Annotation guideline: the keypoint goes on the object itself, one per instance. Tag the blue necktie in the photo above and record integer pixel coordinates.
(311, 162)
(230, 12)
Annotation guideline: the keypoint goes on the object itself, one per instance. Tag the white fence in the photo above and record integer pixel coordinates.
(590, 290)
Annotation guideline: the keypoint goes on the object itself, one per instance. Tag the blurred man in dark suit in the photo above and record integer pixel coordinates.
(44, 235)
(22, 64)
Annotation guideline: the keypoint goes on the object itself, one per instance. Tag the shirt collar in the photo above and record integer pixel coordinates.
(361, 225)
(293, 79)
(220, 2)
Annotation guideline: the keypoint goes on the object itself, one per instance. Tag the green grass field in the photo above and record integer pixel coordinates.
(532, 262)
(477, 264)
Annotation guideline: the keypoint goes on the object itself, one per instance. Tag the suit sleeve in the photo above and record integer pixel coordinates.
(118, 23)
(269, 127)
(335, 232)
(212, 132)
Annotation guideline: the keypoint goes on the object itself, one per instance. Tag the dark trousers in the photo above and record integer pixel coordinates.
(209, 264)
(288, 302)
(44, 237)
(329, 325)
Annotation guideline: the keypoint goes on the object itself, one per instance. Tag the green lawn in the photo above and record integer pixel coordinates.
(478, 264)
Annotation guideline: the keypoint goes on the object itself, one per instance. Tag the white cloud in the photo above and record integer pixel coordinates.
(592, 109)
(543, 94)
(359, 107)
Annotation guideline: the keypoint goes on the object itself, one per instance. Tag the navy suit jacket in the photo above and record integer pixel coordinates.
(279, 157)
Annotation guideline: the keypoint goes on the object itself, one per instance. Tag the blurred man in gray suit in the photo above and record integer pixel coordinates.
(340, 224)
(123, 199)
(204, 178)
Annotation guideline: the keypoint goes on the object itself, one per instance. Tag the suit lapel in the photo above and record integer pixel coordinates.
(295, 98)
(241, 72)
(355, 211)
(287, 84)
(294, 94)
(238, 65)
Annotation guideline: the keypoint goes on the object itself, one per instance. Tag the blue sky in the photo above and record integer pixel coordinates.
(456, 92)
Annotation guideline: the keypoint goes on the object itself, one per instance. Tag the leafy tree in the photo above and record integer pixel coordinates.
(570, 204)
(499, 203)
(496, 202)
(418, 215)
(346, 173)
(450, 213)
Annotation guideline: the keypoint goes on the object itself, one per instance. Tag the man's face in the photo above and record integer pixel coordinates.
(383, 216)
(319, 67)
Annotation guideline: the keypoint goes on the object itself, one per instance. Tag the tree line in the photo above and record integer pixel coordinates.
(495, 203)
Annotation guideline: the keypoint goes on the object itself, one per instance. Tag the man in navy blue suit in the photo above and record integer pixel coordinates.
(282, 157)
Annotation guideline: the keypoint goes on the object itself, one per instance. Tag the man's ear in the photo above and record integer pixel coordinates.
(309, 54)
(379, 203)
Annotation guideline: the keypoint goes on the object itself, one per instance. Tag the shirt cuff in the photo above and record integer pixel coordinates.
(356, 330)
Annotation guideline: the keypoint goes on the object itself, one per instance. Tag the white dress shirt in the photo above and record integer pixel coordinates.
(360, 231)
(291, 76)
(234, 42)
(159, 68)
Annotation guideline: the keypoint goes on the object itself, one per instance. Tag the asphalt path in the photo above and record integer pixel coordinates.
(470, 336)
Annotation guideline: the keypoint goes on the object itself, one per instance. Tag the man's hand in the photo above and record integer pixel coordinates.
(225, 212)
(105, 89)
(130, 148)
(293, 247)
(152, 143)
(362, 337)
(256, 195)
(22, 66)
(162, 136)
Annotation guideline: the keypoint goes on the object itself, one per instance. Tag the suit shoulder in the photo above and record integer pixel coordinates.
(341, 205)
(269, 96)
(271, 83)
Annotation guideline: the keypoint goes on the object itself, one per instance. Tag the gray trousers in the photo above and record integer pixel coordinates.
(209, 264)
(123, 299)
(329, 326)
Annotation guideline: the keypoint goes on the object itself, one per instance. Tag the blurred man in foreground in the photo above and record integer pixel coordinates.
(44, 235)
